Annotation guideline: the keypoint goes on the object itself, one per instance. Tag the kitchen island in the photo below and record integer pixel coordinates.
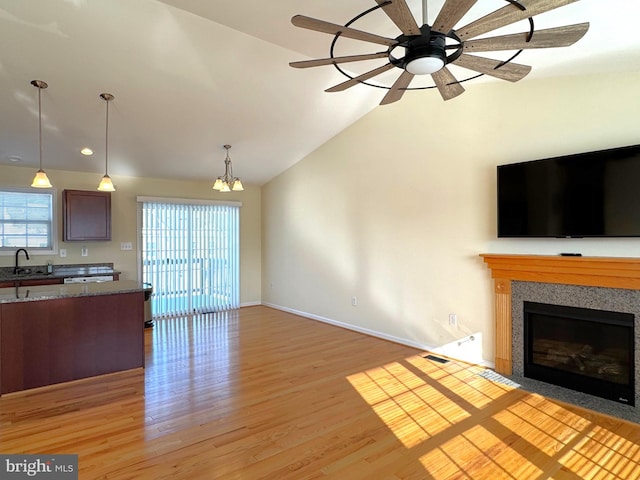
(57, 333)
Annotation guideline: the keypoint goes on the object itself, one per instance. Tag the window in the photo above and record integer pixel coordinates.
(26, 220)
(191, 255)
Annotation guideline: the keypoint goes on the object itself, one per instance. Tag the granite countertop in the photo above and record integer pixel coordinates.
(51, 292)
(37, 272)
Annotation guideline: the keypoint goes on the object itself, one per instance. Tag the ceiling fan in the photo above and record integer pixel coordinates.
(428, 49)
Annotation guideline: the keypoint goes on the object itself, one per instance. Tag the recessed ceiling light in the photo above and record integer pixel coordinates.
(86, 151)
(14, 158)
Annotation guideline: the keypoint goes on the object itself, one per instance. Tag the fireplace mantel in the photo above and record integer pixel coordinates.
(611, 272)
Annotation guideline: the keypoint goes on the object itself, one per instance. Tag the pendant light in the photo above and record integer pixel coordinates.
(106, 185)
(40, 180)
(228, 182)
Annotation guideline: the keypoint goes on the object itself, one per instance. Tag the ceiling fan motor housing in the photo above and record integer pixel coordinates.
(426, 54)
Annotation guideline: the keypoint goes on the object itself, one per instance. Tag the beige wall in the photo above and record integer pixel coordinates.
(396, 209)
(124, 221)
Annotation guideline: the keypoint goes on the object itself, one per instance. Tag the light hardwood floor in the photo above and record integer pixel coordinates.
(262, 394)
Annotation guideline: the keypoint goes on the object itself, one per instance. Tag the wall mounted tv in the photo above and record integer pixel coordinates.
(595, 194)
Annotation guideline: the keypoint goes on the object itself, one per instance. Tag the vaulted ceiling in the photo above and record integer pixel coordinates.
(191, 75)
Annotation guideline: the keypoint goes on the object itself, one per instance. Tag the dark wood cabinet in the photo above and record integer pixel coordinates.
(53, 341)
(30, 282)
(86, 216)
(40, 281)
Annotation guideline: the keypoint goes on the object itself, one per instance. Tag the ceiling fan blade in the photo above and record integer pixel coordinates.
(332, 60)
(361, 78)
(399, 13)
(398, 88)
(509, 71)
(334, 29)
(508, 15)
(551, 37)
(451, 13)
(446, 84)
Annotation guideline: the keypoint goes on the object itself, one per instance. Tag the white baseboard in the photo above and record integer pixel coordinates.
(366, 331)
(250, 304)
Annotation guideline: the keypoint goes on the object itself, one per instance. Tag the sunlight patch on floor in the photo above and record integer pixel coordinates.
(455, 421)
(409, 397)
(474, 448)
(392, 392)
(603, 454)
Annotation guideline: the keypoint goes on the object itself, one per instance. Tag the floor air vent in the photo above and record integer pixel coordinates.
(436, 359)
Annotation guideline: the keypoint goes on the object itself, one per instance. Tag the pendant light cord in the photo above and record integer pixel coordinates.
(425, 19)
(106, 143)
(40, 123)
(107, 97)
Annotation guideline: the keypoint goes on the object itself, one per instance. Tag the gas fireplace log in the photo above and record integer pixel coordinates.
(580, 358)
(612, 369)
(577, 360)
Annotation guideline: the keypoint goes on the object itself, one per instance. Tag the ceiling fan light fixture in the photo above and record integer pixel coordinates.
(426, 55)
(424, 65)
(40, 180)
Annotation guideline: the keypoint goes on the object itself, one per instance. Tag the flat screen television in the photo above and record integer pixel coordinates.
(595, 194)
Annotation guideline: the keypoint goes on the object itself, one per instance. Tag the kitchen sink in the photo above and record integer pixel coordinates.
(24, 272)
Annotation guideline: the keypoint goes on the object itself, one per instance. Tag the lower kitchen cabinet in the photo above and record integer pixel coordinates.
(30, 283)
(45, 342)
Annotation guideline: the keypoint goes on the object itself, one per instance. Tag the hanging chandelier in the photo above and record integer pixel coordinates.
(40, 180)
(228, 182)
(106, 185)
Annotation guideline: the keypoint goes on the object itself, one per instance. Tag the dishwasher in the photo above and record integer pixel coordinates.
(93, 279)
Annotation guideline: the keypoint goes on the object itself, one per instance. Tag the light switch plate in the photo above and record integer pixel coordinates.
(63, 252)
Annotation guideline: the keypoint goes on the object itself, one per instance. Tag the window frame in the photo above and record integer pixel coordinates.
(53, 250)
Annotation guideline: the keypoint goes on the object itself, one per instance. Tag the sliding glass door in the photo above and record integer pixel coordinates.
(191, 256)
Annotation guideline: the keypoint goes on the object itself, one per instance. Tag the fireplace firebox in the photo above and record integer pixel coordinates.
(591, 351)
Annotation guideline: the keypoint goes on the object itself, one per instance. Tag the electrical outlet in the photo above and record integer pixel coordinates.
(453, 319)
(354, 301)
(85, 252)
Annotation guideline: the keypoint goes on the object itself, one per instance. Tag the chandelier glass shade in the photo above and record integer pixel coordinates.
(40, 180)
(227, 182)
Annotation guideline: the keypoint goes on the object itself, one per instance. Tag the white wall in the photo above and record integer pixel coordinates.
(396, 209)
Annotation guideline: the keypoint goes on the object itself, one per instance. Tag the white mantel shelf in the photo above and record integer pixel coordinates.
(611, 272)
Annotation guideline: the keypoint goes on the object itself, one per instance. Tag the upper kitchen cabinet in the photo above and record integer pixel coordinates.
(86, 216)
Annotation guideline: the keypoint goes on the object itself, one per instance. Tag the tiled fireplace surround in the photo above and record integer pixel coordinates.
(601, 283)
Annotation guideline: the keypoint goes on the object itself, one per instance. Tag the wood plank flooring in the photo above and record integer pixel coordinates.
(263, 394)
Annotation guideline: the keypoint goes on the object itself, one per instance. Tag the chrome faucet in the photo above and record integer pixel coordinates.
(16, 269)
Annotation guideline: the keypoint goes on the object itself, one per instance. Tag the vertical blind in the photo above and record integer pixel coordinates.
(191, 256)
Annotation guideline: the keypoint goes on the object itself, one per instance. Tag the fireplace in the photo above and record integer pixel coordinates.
(587, 350)
(597, 283)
